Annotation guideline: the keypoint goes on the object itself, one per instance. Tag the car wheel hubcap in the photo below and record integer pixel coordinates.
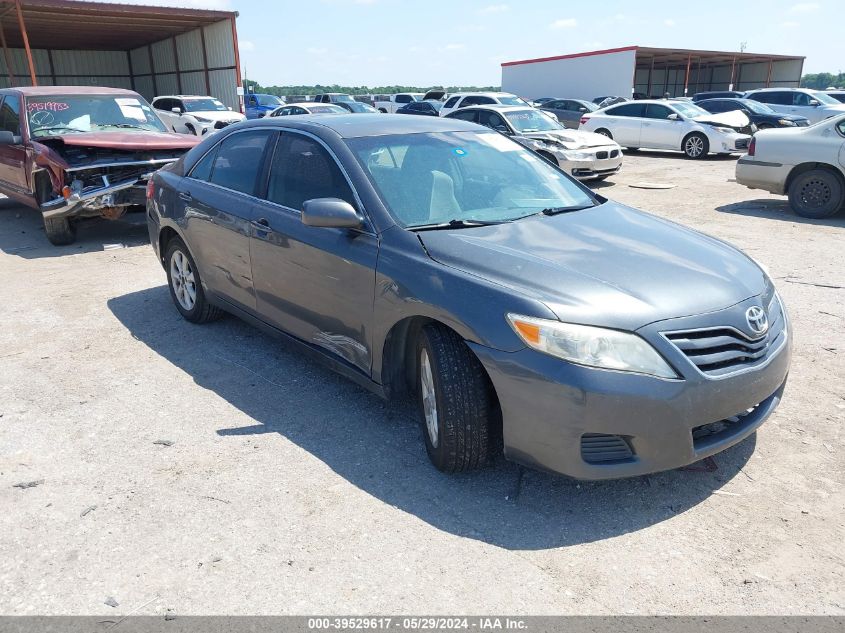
(183, 281)
(695, 146)
(429, 399)
(815, 193)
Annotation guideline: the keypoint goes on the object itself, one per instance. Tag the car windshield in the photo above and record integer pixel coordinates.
(437, 178)
(531, 121)
(825, 98)
(341, 98)
(326, 109)
(756, 106)
(204, 105)
(268, 100)
(355, 106)
(511, 101)
(71, 114)
(689, 110)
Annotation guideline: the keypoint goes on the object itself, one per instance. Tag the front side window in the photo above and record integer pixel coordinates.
(403, 99)
(491, 120)
(238, 160)
(268, 100)
(303, 169)
(470, 116)
(72, 114)
(472, 176)
(655, 111)
(451, 102)
(10, 115)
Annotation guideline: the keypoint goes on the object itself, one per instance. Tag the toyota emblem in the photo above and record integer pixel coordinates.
(757, 320)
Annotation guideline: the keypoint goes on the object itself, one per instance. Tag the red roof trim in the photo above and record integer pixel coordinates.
(573, 55)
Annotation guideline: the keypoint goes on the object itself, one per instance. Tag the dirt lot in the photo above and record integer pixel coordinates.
(289, 490)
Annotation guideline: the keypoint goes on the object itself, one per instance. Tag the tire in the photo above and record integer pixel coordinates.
(185, 285)
(817, 193)
(456, 402)
(191, 129)
(60, 231)
(604, 132)
(695, 146)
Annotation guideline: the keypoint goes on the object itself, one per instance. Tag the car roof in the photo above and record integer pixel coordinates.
(184, 97)
(49, 91)
(482, 94)
(496, 107)
(781, 89)
(364, 125)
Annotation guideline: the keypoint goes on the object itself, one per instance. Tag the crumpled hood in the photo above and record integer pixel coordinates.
(572, 139)
(610, 265)
(129, 140)
(219, 115)
(735, 119)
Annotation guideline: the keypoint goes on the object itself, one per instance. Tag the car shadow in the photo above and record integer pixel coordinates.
(659, 153)
(777, 209)
(378, 446)
(22, 233)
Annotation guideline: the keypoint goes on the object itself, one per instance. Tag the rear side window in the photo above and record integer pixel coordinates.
(302, 170)
(238, 161)
(451, 102)
(628, 109)
(202, 169)
(779, 97)
(801, 99)
(403, 99)
(10, 118)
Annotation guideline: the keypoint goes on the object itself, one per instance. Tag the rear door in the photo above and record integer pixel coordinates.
(218, 196)
(13, 169)
(658, 130)
(315, 283)
(625, 122)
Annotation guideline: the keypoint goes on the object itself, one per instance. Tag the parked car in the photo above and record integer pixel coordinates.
(260, 105)
(394, 102)
(603, 102)
(584, 155)
(541, 101)
(761, 115)
(334, 97)
(424, 108)
(80, 152)
(811, 104)
(667, 124)
(308, 107)
(464, 99)
(569, 111)
(718, 94)
(195, 115)
(806, 164)
(437, 257)
(356, 107)
(839, 95)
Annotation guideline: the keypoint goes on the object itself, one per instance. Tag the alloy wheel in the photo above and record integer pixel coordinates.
(183, 280)
(429, 398)
(694, 146)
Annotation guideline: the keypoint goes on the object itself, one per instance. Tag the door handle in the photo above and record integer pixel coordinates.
(263, 222)
(186, 196)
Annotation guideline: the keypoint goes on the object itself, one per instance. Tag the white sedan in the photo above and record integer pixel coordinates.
(807, 164)
(308, 107)
(667, 124)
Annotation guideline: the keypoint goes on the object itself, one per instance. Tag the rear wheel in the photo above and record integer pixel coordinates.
(457, 406)
(60, 231)
(696, 146)
(817, 193)
(604, 132)
(185, 285)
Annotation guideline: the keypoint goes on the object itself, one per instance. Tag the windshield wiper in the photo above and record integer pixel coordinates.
(556, 210)
(56, 127)
(455, 224)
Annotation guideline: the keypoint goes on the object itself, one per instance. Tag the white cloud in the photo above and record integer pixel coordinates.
(669, 22)
(566, 23)
(246, 46)
(494, 8)
(805, 7)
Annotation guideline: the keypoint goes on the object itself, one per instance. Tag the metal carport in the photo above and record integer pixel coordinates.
(153, 50)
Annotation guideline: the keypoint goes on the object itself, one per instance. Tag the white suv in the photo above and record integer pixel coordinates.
(464, 99)
(812, 104)
(188, 114)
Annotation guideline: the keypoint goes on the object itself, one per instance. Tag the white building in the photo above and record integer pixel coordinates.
(649, 72)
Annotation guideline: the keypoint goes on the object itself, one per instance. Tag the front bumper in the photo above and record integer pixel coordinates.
(730, 143)
(604, 161)
(552, 409)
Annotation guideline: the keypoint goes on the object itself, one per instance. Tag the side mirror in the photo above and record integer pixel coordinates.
(674, 117)
(330, 213)
(815, 103)
(7, 138)
(230, 108)
(503, 129)
(176, 110)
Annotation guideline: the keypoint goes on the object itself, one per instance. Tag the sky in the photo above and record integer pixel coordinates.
(464, 42)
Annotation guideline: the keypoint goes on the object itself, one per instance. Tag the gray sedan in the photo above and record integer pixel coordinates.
(435, 257)
(569, 111)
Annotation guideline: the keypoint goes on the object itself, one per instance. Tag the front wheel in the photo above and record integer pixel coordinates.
(604, 132)
(185, 286)
(456, 401)
(817, 193)
(696, 146)
(60, 231)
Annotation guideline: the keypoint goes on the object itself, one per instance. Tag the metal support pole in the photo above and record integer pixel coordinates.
(686, 78)
(205, 62)
(6, 57)
(769, 76)
(237, 61)
(650, 71)
(176, 61)
(131, 70)
(26, 43)
(152, 70)
(733, 66)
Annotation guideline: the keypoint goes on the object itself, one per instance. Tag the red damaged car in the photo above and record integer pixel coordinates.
(76, 152)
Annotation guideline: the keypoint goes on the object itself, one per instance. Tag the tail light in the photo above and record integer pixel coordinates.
(151, 189)
(584, 119)
(752, 146)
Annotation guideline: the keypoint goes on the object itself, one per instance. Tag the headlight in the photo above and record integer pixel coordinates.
(725, 130)
(591, 346)
(578, 155)
(201, 119)
(786, 122)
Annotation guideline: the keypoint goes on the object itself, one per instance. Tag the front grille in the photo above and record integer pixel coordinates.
(723, 350)
(614, 153)
(714, 430)
(601, 155)
(597, 448)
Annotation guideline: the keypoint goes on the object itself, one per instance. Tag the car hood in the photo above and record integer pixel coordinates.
(610, 265)
(735, 119)
(572, 139)
(128, 140)
(434, 95)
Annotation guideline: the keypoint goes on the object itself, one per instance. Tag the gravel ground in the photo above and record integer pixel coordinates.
(211, 470)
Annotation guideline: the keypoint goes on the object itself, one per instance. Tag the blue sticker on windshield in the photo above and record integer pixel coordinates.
(460, 152)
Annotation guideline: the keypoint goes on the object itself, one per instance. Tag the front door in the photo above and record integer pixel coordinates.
(13, 171)
(315, 283)
(658, 130)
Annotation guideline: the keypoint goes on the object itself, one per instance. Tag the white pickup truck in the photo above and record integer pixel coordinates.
(396, 101)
